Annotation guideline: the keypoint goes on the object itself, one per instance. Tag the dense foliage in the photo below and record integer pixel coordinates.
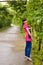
(5, 17)
(33, 11)
(19, 7)
(35, 14)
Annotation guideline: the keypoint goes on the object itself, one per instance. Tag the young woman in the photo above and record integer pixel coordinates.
(28, 38)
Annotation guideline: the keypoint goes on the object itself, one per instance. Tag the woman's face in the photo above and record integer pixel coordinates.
(25, 21)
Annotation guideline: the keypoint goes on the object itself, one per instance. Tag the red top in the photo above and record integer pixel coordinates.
(27, 38)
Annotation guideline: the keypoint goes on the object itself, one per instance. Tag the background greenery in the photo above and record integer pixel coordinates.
(14, 11)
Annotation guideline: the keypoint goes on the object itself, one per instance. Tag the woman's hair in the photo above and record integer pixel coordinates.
(23, 19)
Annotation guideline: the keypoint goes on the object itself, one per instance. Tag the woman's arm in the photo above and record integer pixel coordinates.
(28, 31)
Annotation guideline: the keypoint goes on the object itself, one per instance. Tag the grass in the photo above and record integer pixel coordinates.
(4, 28)
(37, 56)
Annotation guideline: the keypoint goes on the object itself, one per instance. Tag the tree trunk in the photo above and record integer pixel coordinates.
(39, 45)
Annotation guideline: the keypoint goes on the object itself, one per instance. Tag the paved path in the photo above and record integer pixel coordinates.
(12, 46)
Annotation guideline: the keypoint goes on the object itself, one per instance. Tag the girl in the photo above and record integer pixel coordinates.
(28, 38)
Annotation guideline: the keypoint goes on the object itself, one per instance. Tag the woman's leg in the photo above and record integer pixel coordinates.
(28, 48)
(29, 45)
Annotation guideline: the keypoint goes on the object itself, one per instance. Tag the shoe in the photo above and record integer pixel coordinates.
(25, 58)
(29, 59)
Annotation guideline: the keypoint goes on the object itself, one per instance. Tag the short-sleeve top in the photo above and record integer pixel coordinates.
(26, 32)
